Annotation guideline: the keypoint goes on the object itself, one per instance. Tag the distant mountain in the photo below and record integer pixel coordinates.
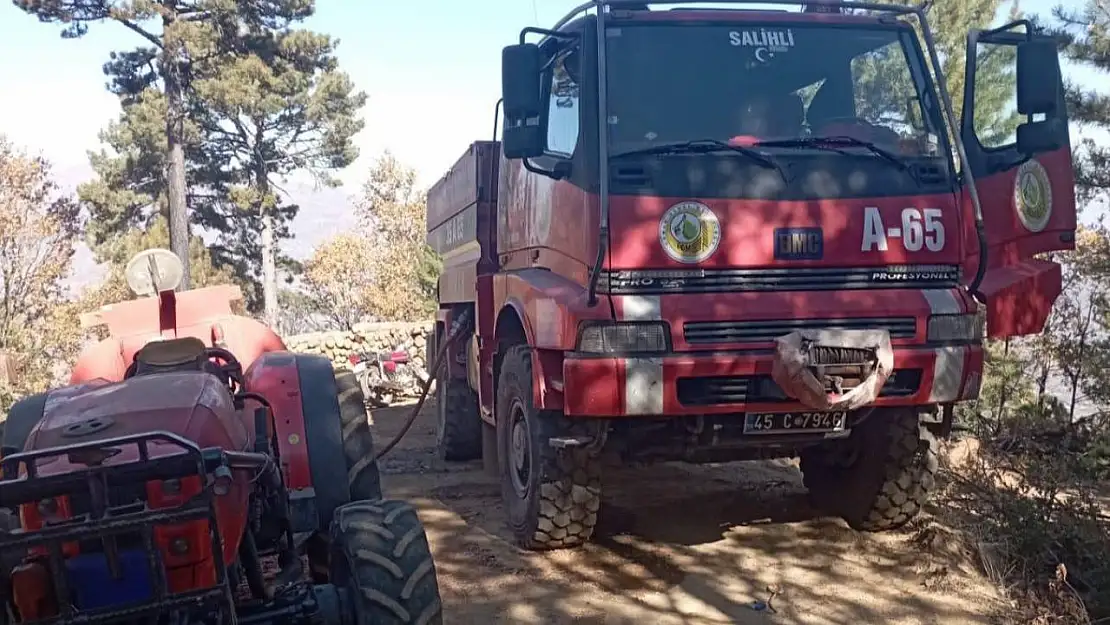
(324, 213)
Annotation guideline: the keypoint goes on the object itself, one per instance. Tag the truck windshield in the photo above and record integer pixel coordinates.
(747, 84)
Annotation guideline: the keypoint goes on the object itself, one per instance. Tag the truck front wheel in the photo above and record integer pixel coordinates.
(882, 478)
(552, 496)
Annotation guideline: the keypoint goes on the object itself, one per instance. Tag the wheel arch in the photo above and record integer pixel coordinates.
(511, 328)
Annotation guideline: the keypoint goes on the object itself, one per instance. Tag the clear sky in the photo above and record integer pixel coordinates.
(431, 69)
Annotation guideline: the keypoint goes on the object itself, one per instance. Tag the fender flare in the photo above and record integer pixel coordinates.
(323, 435)
(513, 304)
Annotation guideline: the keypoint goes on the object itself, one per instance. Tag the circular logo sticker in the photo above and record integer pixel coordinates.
(1033, 196)
(689, 232)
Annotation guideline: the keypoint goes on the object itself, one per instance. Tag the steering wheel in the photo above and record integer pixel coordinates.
(228, 367)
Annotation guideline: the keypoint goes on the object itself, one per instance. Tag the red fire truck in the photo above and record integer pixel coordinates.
(716, 234)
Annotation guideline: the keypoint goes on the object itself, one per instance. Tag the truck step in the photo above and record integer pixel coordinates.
(565, 442)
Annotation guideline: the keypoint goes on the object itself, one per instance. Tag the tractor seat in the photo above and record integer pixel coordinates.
(180, 354)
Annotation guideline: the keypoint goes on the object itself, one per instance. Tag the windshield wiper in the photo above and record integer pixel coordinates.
(706, 146)
(831, 143)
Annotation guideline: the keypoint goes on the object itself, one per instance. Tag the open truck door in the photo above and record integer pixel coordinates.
(1015, 130)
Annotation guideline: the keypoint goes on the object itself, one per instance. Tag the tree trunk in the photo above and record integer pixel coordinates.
(269, 270)
(175, 132)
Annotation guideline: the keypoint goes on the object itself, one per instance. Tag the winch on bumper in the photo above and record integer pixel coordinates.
(822, 370)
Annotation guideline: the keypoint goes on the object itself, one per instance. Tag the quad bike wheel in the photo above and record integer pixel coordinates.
(552, 496)
(885, 482)
(380, 553)
(363, 476)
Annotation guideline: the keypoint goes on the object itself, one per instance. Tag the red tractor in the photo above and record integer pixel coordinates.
(196, 472)
(716, 233)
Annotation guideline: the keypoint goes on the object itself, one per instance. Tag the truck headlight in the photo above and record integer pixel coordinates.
(628, 337)
(947, 328)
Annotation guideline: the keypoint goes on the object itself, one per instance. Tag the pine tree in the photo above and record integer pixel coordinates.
(1085, 34)
(170, 26)
(277, 105)
(265, 100)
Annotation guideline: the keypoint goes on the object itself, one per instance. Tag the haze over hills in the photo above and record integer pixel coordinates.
(324, 213)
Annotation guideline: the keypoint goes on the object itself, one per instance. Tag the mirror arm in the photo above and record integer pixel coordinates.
(532, 30)
(497, 117)
(559, 172)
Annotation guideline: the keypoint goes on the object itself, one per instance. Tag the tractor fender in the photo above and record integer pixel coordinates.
(302, 392)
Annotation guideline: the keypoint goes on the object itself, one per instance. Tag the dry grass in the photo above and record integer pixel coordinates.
(1035, 526)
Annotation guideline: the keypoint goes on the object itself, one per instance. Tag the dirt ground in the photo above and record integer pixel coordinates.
(676, 544)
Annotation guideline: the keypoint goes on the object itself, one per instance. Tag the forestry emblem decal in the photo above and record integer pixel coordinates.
(1033, 196)
(689, 232)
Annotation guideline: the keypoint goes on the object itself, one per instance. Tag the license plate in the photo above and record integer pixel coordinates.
(794, 422)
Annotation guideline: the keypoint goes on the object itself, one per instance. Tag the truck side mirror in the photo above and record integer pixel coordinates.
(1038, 77)
(1038, 137)
(521, 92)
(524, 134)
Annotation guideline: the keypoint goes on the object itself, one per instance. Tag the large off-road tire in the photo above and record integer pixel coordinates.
(551, 496)
(363, 476)
(458, 424)
(890, 478)
(380, 553)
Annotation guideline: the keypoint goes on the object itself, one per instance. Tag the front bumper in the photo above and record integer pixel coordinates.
(698, 383)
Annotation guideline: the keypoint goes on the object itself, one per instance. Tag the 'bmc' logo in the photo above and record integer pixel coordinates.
(799, 244)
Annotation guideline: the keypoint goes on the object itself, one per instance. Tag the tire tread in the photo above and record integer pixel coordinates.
(363, 475)
(570, 479)
(385, 549)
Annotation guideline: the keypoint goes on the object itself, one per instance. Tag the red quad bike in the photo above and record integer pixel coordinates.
(382, 375)
(196, 472)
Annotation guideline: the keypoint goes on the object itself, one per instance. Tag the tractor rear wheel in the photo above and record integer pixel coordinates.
(552, 496)
(363, 476)
(380, 553)
(886, 482)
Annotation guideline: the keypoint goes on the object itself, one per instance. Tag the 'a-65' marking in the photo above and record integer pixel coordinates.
(919, 228)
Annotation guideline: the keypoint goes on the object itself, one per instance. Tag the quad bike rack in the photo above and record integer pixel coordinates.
(104, 523)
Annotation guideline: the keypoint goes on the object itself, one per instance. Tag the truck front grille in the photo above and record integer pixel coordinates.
(661, 281)
(711, 391)
(709, 332)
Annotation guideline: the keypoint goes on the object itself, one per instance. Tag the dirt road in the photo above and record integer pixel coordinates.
(678, 544)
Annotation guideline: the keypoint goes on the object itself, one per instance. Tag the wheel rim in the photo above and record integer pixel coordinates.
(520, 454)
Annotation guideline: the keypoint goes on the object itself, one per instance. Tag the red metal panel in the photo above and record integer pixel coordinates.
(470, 180)
(274, 376)
(747, 231)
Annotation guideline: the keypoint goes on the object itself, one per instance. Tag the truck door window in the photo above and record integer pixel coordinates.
(563, 113)
(996, 116)
(886, 97)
